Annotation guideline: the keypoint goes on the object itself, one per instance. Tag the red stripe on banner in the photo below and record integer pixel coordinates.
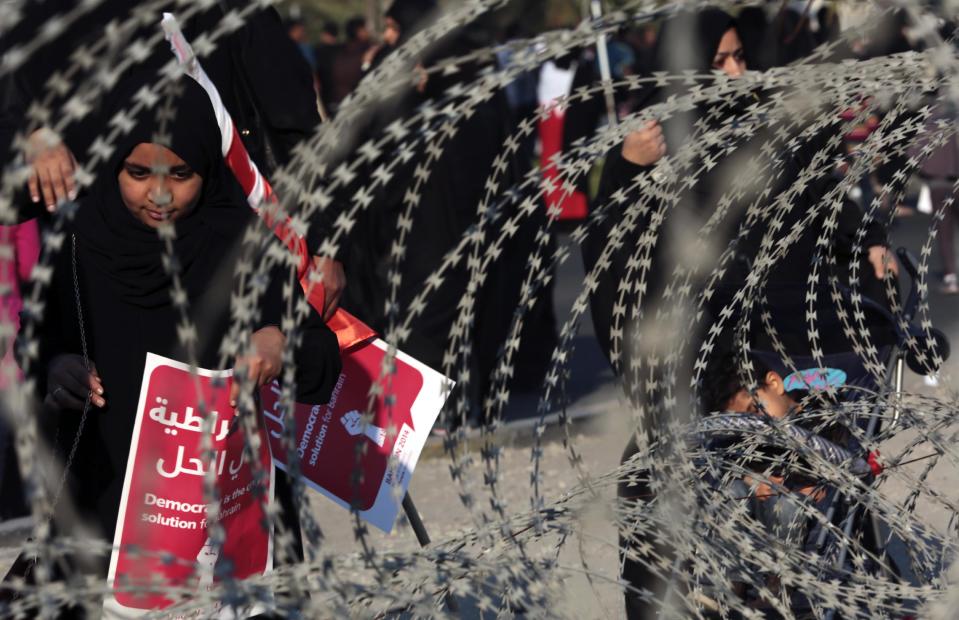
(349, 330)
(238, 160)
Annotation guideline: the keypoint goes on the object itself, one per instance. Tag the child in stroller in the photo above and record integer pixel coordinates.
(800, 459)
(782, 483)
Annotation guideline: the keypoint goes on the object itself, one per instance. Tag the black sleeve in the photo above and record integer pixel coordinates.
(583, 116)
(13, 98)
(316, 353)
(618, 173)
(280, 80)
(320, 227)
(11, 114)
(850, 220)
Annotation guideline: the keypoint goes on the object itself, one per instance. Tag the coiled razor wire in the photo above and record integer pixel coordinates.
(688, 528)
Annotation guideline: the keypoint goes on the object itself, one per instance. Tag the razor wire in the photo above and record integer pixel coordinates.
(515, 554)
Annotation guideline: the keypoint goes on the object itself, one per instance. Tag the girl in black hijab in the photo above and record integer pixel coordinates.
(690, 41)
(112, 266)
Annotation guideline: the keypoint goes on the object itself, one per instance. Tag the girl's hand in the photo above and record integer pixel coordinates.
(333, 283)
(69, 383)
(264, 364)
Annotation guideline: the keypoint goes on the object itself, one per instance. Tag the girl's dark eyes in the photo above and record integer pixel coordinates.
(140, 173)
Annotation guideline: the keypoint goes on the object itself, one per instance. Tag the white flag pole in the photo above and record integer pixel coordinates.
(596, 11)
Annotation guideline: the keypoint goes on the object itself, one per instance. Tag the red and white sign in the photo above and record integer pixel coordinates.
(326, 437)
(163, 511)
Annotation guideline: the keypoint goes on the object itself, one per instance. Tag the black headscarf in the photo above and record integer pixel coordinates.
(756, 35)
(127, 252)
(795, 39)
(410, 14)
(676, 49)
(687, 41)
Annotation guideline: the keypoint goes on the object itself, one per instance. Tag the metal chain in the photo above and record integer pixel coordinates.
(86, 362)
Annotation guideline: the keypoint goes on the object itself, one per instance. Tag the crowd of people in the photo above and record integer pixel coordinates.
(109, 300)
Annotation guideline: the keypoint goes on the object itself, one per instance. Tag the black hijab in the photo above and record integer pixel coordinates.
(687, 41)
(410, 16)
(127, 252)
(756, 35)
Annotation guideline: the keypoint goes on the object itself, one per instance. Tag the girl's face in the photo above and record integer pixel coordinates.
(157, 186)
(729, 56)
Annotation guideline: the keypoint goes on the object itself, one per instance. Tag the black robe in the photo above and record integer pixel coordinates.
(786, 283)
(447, 208)
(785, 287)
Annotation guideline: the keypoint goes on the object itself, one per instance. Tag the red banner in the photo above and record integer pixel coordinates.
(162, 539)
(326, 437)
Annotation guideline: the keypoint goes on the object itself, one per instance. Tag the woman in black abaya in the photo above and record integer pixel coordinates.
(124, 292)
(709, 42)
(702, 42)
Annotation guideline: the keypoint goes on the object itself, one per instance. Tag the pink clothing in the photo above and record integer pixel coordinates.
(19, 252)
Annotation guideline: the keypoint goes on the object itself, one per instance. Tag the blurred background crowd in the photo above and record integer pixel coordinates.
(293, 68)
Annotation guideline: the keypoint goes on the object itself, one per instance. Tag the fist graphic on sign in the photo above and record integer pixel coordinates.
(353, 421)
(206, 563)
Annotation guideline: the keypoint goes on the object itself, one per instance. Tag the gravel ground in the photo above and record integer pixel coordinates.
(599, 441)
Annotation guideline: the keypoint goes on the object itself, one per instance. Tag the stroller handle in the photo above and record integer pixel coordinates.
(910, 264)
(917, 360)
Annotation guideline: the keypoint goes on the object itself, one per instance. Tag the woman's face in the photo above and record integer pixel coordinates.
(391, 31)
(157, 186)
(729, 57)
